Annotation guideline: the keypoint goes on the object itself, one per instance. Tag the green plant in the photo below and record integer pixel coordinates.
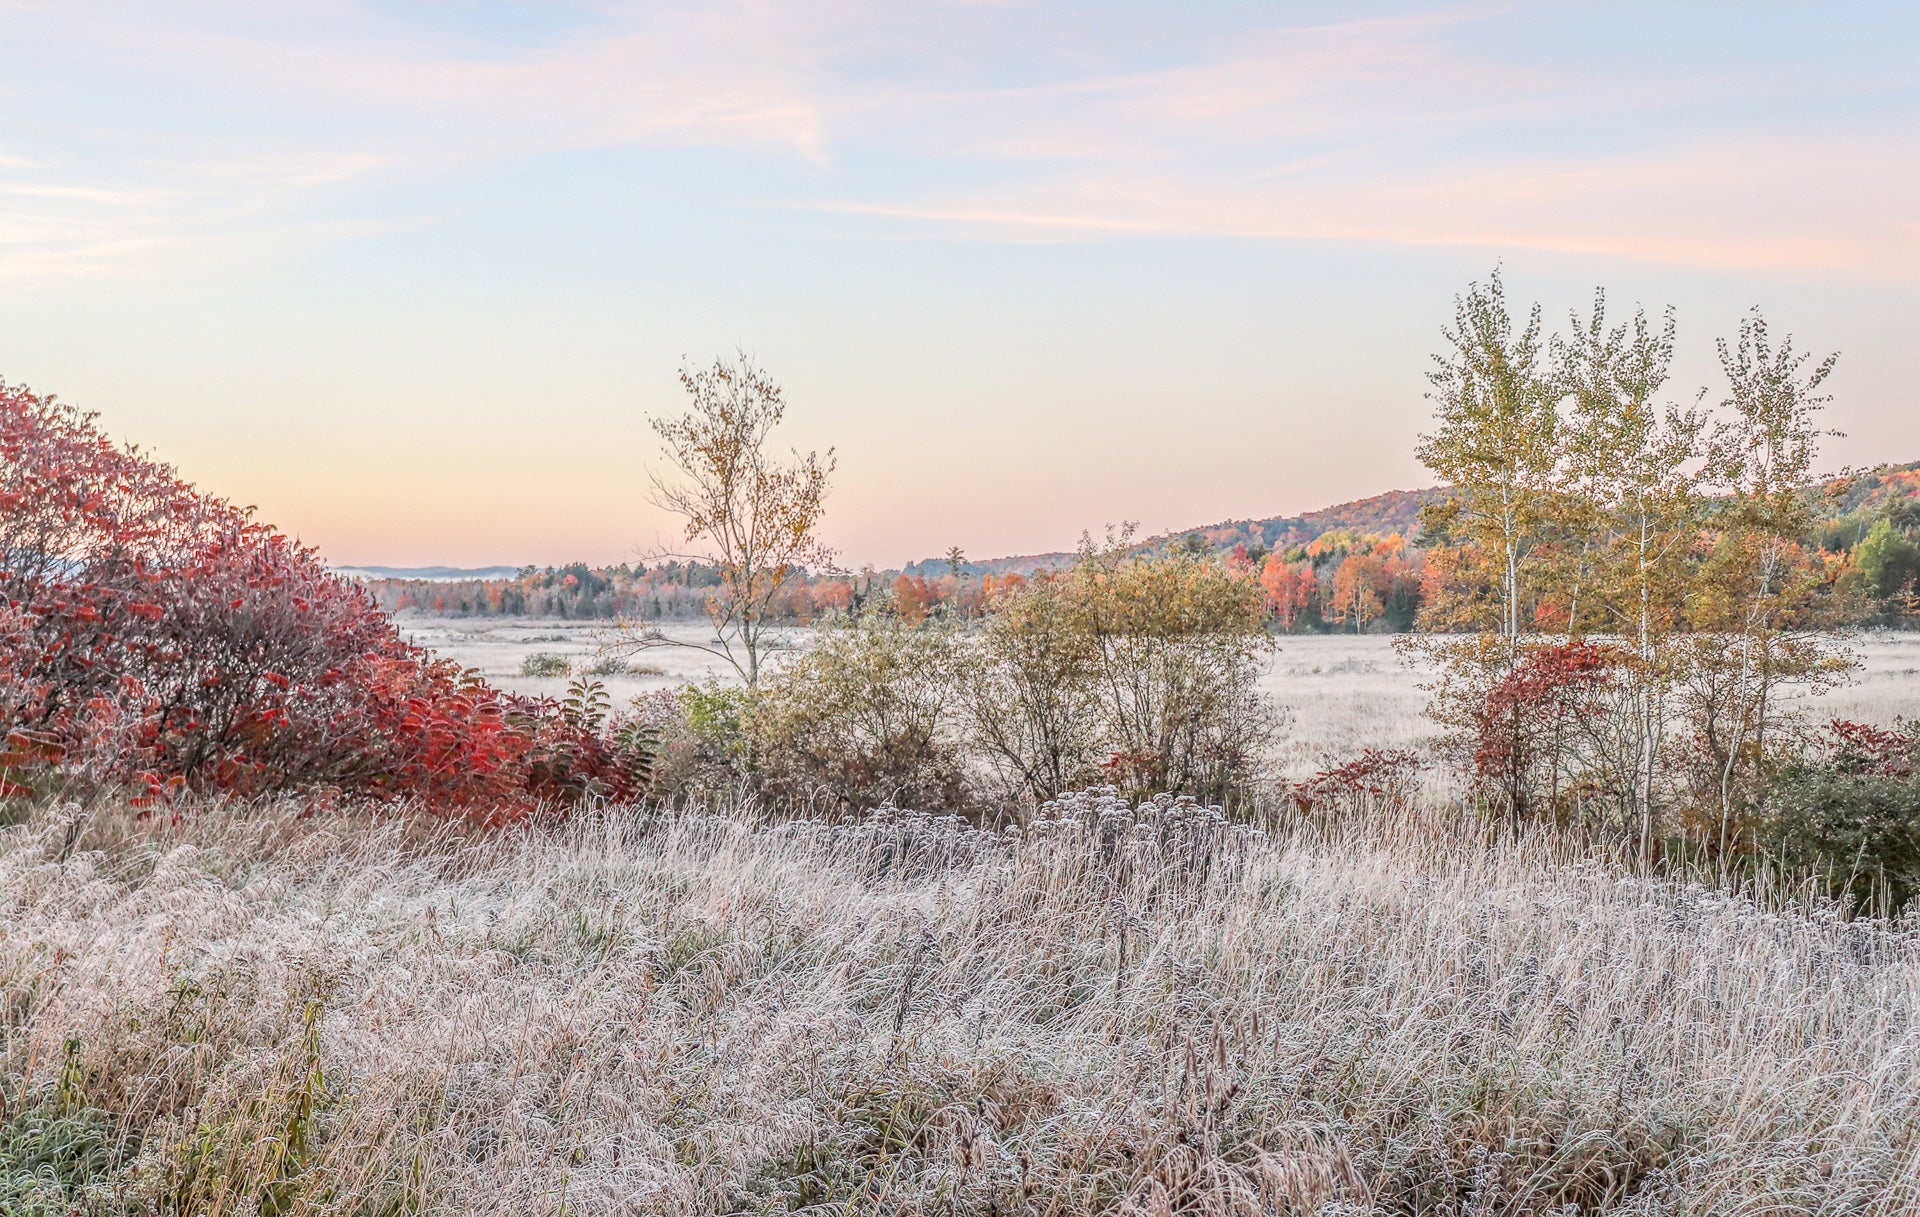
(50, 1152)
(860, 717)
(615, 665)
(546, 663)
(698, 739)
(592, 755)
(1849, 813)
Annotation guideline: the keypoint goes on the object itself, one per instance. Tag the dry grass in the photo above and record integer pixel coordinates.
(1114, 1012)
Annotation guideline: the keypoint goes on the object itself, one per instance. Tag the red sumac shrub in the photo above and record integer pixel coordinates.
(1864, 749)
(1524, 730)
(153, 635)
(1387, 774)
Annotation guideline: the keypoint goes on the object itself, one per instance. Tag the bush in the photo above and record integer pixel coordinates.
(546, 663)
(1177, 646)
(701, 749)
(860, 718)
(1529, 735)
(615, 665)
(1140, 672)
(154, 636)
(1849, 813)
(586, 752)
(1378, 776)
(1028, 699)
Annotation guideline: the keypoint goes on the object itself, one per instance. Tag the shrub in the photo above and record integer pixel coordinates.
(1177, 648)
(1849, 813)
(1027, 699)
(546, 663)
(701, 749)
(860, 718)
(1139, 671)
(581, 750)
(1522, 745)
(616, 665)
(153, 635)
(1383, 776)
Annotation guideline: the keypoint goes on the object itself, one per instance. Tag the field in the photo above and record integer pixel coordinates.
(1114, 1011)
(1539, 838)
(1345, 692)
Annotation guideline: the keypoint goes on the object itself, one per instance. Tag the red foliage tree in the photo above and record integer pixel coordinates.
(914, 597)
(1361, 587)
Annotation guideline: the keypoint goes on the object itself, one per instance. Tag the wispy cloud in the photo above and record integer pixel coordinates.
(1408, 131)
(254, 115)
(1756, 205)
(1415, 128)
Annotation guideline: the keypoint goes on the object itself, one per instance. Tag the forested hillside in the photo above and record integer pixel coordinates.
(1352, 566)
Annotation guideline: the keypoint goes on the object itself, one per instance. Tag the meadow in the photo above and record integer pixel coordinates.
(1342, 692)
(1112, 1009)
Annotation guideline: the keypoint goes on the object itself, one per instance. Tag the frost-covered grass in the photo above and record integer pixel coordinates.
(1341, 692)
(259, 1010)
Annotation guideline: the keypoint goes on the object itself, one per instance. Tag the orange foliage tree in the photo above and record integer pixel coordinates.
(1288, 588)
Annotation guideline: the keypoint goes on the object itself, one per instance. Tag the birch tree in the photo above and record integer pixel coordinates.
(1496, 442)
(1759, 604)
(745, 509)
(1633, 509)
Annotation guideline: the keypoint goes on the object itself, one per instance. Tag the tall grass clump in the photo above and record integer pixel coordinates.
(1117, 1007)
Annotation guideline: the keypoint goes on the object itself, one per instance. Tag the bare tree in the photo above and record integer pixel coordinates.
(750, 513)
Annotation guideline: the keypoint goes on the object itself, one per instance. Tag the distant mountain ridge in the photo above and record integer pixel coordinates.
(1394, 511)
(1398, 511)
(430, 574)
(1879, 487)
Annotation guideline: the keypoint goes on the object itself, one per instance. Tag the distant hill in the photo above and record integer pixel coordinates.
(432, 574)
(1876, 489)
(1019, 564)
(1395, 511)
(1858, 495)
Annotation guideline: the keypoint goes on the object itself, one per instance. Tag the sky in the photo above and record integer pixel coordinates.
(410, 277)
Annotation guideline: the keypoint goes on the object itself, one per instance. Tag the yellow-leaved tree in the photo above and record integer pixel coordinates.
(751, 513)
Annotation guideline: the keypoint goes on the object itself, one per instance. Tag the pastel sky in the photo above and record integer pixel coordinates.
(409, 276)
